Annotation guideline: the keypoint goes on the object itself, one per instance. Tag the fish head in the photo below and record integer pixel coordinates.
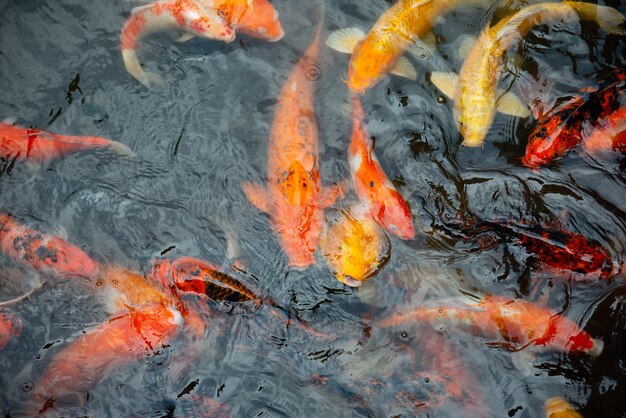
(206, 23)
(261, 21)
(354, 247)
(543, 148)
(367, 67)
(395, 215)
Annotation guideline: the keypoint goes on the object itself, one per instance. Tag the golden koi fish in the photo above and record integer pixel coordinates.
(559, 408)
(380, 51)
(475, 94)
(294, 198)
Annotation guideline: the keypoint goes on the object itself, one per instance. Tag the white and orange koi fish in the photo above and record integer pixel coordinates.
(192, 17)
(294, 198)
(475, 93)
(372, 186)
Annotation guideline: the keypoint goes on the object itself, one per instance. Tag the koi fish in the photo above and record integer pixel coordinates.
(561, 250)
(104, 349)
(610, 135)
(42, 252)
(10, 326)
(520, 323)
(372, 186)
(197, 276)
(294, 198)
(254, 18)
(559, 408)
(190, 16)
(569, 124)
(474, 91)
(19, 143)
(354, 246)
(380, 51)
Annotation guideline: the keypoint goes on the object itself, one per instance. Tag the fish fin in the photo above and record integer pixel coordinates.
(430, 39)
(448, 83)
(466, 44)
(121, 149)
(140, 9)
(345, 40)
(404, 68)
(186, 37)
(332, 193)
(257, 196)
(610, 19)
(523, 361)
(510, 104)
(9, 121)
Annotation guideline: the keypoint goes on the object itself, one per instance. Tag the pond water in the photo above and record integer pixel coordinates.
(205, 132)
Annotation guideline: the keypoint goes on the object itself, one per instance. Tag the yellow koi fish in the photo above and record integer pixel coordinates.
(559, 408)
(380, 51)
(475, 93)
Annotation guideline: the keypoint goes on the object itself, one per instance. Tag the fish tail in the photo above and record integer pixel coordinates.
(121, 149)
(608, 18)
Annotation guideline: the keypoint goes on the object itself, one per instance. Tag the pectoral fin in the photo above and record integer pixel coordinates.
(186, 37)
(466, 44)
(523, 361)
(345, 40)
(257, 196)
(510, 104)
(404, 68)
(448, 83)
(140, 9)
(9, 121)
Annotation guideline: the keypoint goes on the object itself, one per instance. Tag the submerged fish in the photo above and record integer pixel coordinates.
(96, 353)
(511, 323)
(197, 276)
(557, 249)
(10, 326)
(354, 246)
(19, 143)
(294, 198)
(475, 93)
(371, 184)
(42, 252)
(190, 16)
(559, 408)
(380, 51)
(572, 122)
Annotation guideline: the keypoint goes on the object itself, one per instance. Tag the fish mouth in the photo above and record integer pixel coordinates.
(532, 162)
(349, 281)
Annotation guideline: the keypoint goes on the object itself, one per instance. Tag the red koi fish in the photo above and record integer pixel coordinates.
(563, 129)
(44, 253)
(561, 250)
(372, 186)
(10, 326)
(19, 143)
(609, 136)
(518, 322)
(294, 198)
(253, 18)
(192, 17)
(197, 276)
(102, 350)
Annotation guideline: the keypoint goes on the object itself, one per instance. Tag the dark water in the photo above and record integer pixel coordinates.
(206, 132)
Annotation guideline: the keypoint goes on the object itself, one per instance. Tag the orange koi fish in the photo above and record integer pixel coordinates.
(354, 246)
(10, 326)
(294, 198)
(254, 18)
(558, 407)
(380, 51)
(520, 323)
(95, 354)
(19, 143)
(475, 93)
(372, 186)
(190, 16)
(42, 252)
